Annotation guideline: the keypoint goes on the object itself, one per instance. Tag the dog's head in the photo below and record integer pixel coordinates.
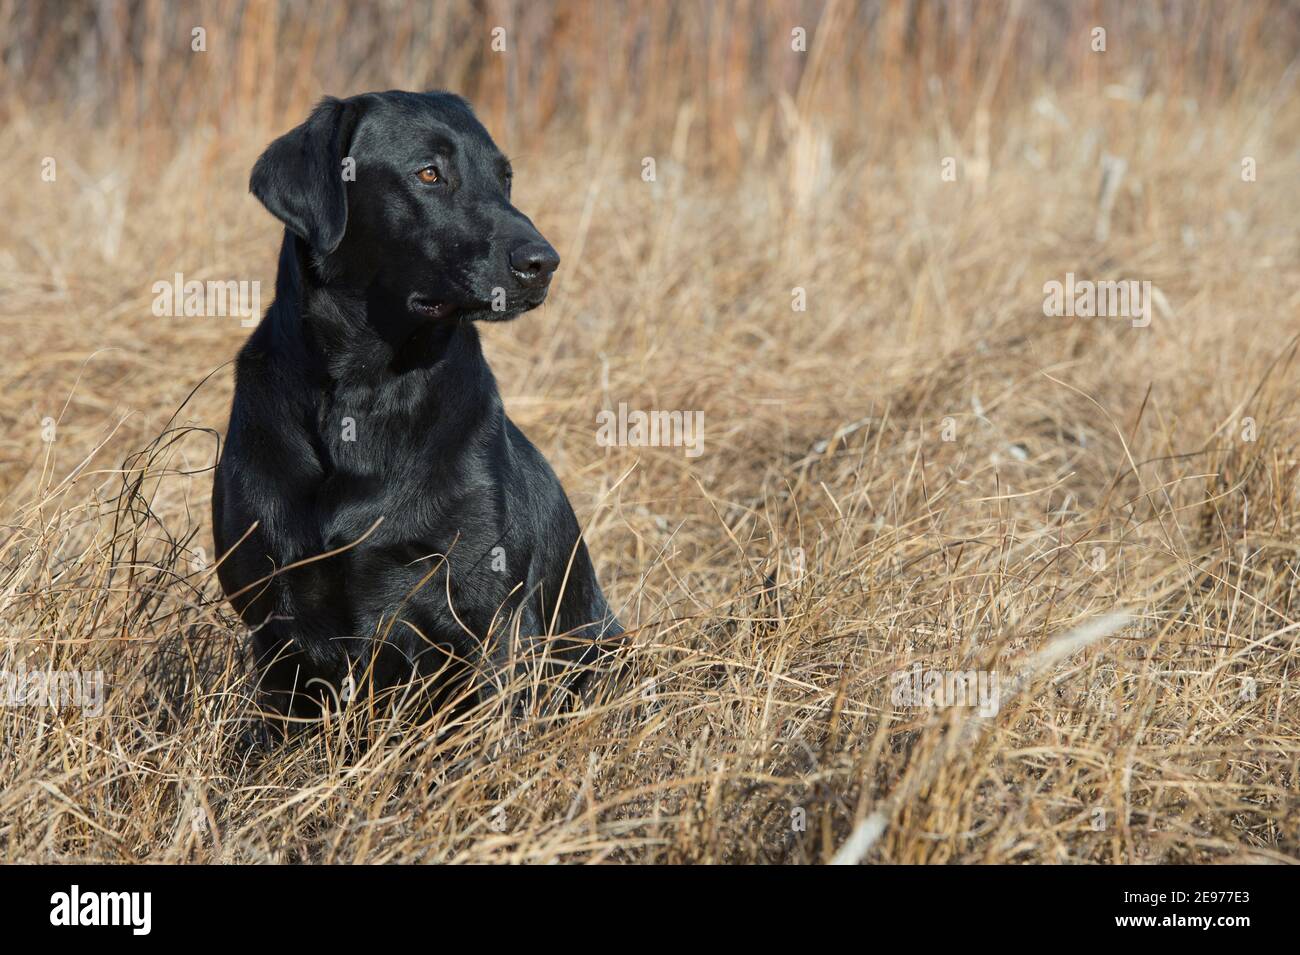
(406, 195)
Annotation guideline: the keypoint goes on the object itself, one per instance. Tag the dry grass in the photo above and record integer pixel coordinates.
(1094, 467)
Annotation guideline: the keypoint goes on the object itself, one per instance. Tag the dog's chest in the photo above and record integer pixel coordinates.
(389, 454)
(380, 430)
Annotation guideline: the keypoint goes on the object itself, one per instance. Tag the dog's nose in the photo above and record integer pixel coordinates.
(533, 262)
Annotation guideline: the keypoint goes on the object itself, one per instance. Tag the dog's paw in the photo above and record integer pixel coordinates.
(254, 742)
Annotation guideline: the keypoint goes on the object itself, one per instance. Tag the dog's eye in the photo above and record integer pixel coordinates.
(429, 174)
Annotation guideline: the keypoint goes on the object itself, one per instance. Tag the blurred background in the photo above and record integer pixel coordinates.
(731, 73)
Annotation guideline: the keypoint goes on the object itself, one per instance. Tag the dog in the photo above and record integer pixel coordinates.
(379, 517)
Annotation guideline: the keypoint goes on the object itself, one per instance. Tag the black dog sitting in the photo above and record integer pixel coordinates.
(367, 426)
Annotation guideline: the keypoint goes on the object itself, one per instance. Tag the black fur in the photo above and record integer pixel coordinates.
(380, 281)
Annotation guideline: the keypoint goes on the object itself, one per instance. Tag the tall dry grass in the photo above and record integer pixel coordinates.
(925, 467)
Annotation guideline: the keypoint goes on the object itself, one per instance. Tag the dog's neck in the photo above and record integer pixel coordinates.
(346, 331)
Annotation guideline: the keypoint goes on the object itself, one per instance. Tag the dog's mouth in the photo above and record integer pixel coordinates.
(439, 309)
(427, 307)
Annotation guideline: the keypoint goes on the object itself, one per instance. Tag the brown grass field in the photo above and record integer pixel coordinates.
(918, 468)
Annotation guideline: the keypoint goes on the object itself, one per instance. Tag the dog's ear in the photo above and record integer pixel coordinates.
(300, 176)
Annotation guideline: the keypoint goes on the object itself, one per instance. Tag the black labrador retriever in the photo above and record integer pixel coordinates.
(378, 515)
